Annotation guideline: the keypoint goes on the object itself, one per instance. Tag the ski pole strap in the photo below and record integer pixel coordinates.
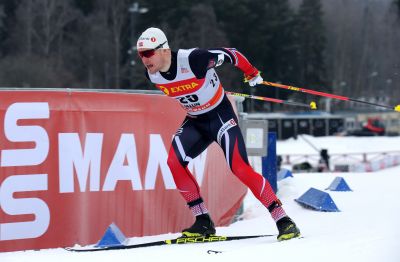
(276, 203)
(195, 202)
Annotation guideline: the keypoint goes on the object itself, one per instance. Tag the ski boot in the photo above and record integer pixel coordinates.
(287, 229)
(203, 226)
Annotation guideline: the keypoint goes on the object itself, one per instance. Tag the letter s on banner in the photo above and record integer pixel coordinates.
(22, 206)
(16, 133)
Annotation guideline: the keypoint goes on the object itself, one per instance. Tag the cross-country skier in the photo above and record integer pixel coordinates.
(189, 76)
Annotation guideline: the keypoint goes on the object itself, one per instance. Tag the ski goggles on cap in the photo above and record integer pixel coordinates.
(149, 53)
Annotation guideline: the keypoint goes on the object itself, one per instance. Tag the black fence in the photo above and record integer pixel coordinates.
(287, 126)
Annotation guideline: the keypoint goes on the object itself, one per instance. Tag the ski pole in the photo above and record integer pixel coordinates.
(318, 93)
(312, 105)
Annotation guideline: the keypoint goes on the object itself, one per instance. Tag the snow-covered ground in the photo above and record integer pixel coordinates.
(366, 229)
(339, 144)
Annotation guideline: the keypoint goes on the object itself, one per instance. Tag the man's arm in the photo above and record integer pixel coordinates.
(201, 60)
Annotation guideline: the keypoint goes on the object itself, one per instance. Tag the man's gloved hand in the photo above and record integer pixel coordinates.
(254, 78)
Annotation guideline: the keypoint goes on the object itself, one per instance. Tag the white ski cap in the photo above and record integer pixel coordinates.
(152, 38)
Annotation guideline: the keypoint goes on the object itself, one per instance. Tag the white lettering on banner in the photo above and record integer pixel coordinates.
(16, 133)
(80, 159)
(71, 155)
(118, 171)
(158, 158)
(21, 206)
(21, 183)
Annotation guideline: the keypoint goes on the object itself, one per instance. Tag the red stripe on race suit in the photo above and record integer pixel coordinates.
(184, 180)
(242, 63)
(260, 186)
(213, 101)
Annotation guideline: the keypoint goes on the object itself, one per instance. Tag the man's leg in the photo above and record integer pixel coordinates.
(188, 143)
(230, 138)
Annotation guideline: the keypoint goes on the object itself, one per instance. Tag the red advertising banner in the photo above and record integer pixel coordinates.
(71, 163)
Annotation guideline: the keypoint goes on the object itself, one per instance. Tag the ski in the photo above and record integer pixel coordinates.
(175, 241)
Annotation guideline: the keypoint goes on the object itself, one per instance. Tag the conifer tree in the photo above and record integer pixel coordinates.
(312, 42)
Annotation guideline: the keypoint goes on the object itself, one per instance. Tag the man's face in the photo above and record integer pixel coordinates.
(152, 59)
